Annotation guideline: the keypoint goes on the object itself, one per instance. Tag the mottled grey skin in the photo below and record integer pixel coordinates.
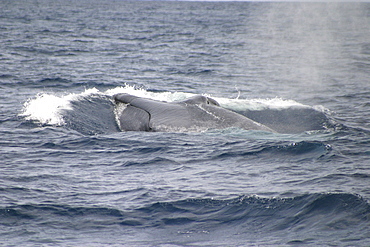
(198, 113)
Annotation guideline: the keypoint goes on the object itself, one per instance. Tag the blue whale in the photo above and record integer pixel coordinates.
(195, 114)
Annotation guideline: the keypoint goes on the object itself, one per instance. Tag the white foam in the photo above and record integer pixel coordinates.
(257, 104)
(162, 96)
(47, 108)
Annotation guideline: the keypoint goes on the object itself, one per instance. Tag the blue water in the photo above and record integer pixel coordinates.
(69, 177)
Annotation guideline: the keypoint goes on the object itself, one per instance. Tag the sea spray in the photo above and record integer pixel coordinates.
(47, 108)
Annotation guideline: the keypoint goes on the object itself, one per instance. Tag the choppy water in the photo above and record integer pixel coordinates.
(70, 177)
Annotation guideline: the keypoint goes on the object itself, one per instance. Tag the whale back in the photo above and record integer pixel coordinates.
(198, 113)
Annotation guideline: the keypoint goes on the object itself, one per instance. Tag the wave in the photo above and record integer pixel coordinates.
(296, 151)
(303, 218)
(93, 111)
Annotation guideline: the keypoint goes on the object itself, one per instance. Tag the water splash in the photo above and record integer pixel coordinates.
(47, 108)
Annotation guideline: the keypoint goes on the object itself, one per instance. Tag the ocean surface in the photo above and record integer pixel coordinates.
(70, 177)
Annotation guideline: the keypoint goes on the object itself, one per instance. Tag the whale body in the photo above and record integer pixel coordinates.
(195, 114)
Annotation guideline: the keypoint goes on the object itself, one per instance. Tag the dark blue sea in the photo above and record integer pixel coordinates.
(70, 177)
